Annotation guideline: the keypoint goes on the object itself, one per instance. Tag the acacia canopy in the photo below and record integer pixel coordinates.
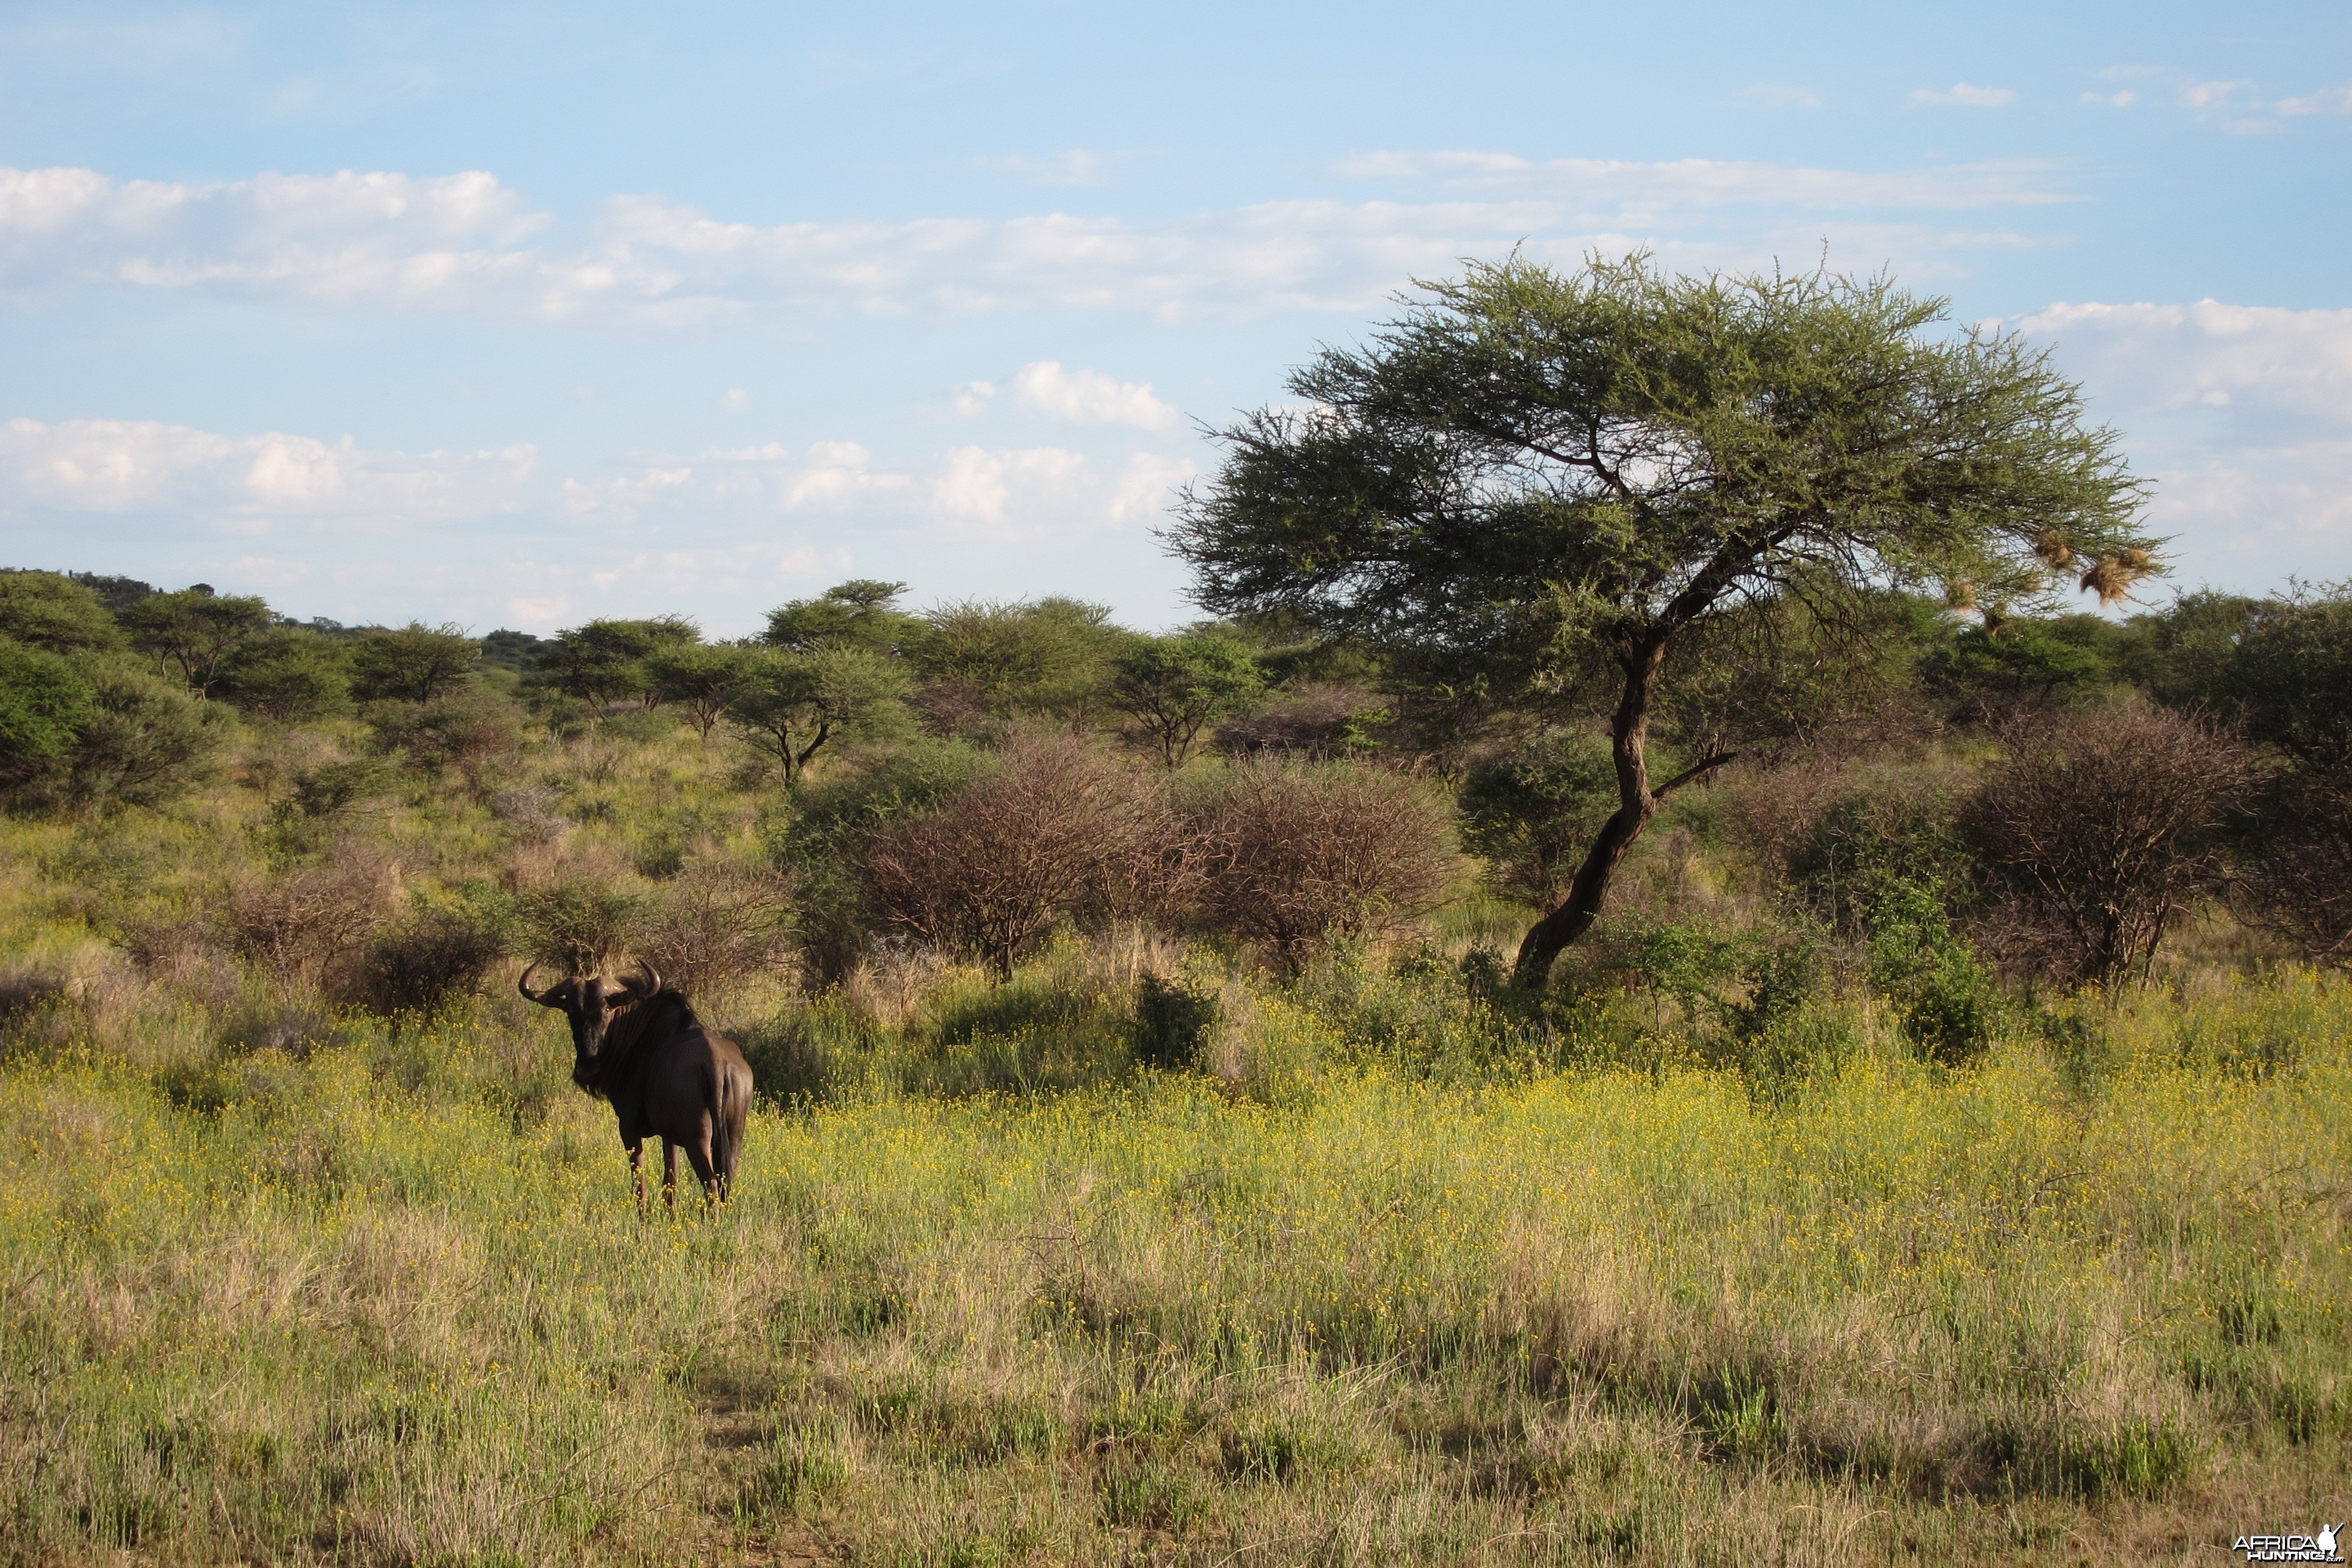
(1530, 475)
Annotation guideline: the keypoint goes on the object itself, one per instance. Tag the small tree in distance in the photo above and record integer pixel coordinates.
(1173, 686)
(1530, 478)
(196, 631)
(791, 705)
(415, 663)
(700, 679)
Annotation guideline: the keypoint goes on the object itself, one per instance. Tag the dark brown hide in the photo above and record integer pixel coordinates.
(667, 1076)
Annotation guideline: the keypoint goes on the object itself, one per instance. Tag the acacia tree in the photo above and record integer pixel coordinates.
(789, 705)
(194, 631)
(1173, 686)
(1532, 476)
(415, 663)
(699, 678)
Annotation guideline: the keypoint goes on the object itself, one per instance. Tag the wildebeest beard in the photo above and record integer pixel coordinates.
(630, 1025)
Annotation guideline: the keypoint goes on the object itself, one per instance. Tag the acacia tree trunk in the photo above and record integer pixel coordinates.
(1629, 744)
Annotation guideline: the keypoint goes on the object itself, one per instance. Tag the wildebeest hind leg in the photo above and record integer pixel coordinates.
(714, 1185)
(637, 1174)
(669, 1173)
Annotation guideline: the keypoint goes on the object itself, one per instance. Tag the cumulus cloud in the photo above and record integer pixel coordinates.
(466, 242)
(141, 466)
(2240, 414)
(2336, 99)
(1146, 483)
(977, 486)
(1090, 397)
(1962, 95)
(2295, 364)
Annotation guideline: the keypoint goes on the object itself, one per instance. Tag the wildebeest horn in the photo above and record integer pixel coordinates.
(653, 980)
(522, 984)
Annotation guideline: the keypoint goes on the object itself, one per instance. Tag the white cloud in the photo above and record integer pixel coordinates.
(736, 398)
(2240, 414)
(1145, 484)
(977, 486)
(1962, 95)
(2336, 99)
(467, 243)
(141, 466)
(1090, 397)
(2123, 98)
(972, 397)
(2283, 362)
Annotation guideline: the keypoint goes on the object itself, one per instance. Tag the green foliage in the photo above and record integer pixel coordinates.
(1172, 687)
(1530, 814)
(581, 925)
(1048, 656)
(288, 675)
(789, 705)
(44, 704)
(2181, 654)
(2292, 677)
(145, 741)
(699, 680)
(1987, 671)
(1484, 484)
(472, 730)
(860, 614)
(1172, 1023)
(50, 611)
(1781, 672)
(415, 663)
(194, 632)
(1948, 1001)
(604, 661)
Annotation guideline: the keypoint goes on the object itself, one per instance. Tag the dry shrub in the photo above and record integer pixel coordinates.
(2299, 883)
(2100, 830)
(530, 812)
(1295, 854)
(428, 958)
(1309, 721)
(1060, 829)
(717, 923)
(303, 923)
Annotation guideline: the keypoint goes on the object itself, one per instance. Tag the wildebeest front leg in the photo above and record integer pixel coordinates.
(669, 1173)
(637, 1174)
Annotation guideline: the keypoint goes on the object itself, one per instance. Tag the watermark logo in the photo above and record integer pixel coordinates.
(2320, 1548)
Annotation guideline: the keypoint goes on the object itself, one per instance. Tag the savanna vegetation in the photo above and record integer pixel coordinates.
(1665, 999)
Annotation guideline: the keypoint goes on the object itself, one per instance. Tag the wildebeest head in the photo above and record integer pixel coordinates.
(590, 1001)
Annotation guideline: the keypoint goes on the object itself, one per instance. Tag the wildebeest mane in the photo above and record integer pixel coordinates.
(631, 1026)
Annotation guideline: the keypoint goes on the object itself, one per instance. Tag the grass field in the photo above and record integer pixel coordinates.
(1366, 1290)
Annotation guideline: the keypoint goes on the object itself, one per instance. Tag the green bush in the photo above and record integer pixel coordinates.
(145, 741)
(1946, 1001)
(44, 704)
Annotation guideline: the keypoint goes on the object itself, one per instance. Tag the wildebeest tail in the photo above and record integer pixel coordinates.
(726, 1128)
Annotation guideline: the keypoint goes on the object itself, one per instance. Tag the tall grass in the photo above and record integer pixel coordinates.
(382, 1298)
(1139, 1257)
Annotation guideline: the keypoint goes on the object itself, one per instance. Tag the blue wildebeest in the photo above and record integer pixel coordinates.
(638, 1045)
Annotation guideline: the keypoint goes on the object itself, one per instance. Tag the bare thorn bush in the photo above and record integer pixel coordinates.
(300, 926)
(1297, 854)
(2100, 830)
(715, 924)
(1060, 830)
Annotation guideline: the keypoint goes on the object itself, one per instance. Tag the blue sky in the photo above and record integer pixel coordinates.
(516, 316)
